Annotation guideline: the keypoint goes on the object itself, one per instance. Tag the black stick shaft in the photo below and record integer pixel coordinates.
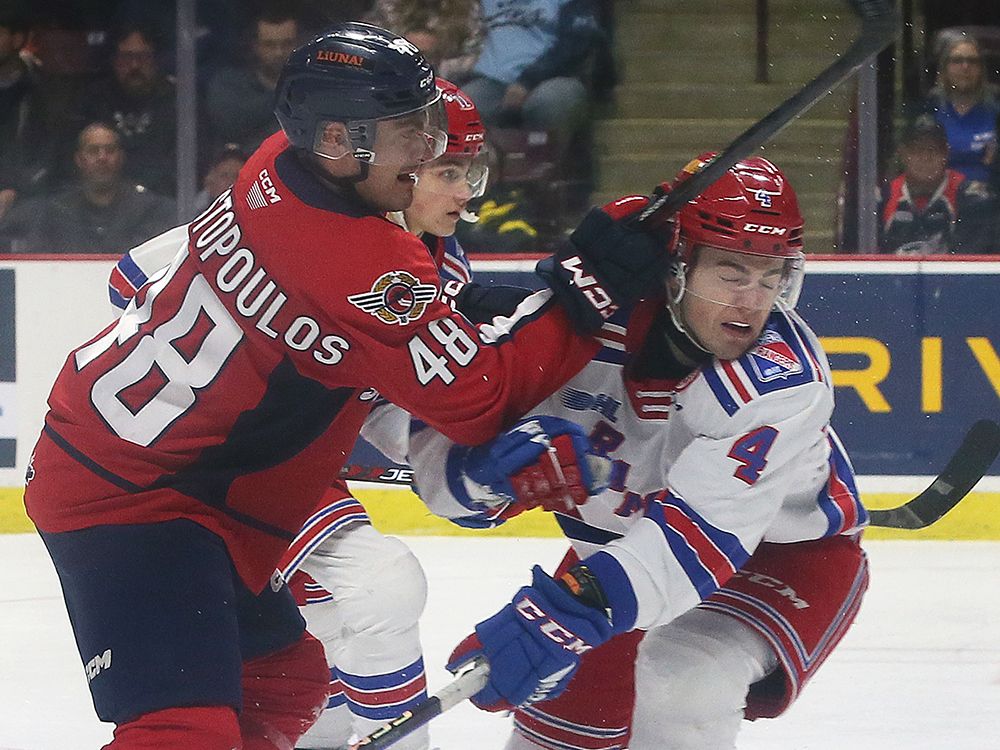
(965, 468)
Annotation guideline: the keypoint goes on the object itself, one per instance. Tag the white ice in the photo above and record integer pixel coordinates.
(919, 670)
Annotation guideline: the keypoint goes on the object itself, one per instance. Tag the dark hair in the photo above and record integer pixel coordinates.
(274, 14)
(102, 124)
(925, 128)
(223, 153)
(121, 33)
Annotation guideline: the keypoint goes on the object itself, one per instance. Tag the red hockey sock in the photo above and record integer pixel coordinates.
(205, 728)
(283, 694)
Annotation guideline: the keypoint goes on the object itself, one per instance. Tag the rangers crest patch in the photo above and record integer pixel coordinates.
(772, 358)
(396, 297)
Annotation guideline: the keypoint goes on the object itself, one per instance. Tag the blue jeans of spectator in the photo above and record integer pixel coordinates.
(558, 105)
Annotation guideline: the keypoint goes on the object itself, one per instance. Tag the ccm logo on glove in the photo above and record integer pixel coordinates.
(550, 628)
(592, 291)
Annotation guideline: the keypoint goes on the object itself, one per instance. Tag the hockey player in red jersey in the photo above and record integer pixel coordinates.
(369, 628)
(721, 565)
(366, 591)
(186, 444)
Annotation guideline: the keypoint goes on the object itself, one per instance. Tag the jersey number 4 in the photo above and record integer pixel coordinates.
(751, 452)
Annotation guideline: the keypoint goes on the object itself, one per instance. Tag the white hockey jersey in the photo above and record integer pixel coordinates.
(704, 468)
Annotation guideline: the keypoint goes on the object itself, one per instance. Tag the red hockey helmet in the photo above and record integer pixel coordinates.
(466, 134)
(751, 209)
(466, 138)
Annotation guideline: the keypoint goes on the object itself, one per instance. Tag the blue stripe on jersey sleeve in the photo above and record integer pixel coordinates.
(840, 468)
(116, 298)
(131, 271)
(694, 550)
(722, 394)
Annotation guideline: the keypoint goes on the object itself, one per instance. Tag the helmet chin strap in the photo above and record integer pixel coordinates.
(679, 272)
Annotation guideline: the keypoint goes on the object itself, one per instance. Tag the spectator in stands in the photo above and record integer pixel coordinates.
(101, 213)
(448, 32)
(140, 101)
(931, 209)
(25, 143)
(239, 100)
(221, 173)
(533, 63)
(966, 105)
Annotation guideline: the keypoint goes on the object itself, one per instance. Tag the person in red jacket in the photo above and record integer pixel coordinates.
(186, 444)
(930, 209)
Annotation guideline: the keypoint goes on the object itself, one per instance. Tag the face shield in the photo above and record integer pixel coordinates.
(408, 139)
(739, 280)
(462, 176)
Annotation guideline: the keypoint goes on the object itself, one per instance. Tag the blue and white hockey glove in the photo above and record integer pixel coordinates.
(540, 462)
(534, 644)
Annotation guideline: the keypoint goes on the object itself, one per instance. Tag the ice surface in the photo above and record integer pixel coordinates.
(919, 670)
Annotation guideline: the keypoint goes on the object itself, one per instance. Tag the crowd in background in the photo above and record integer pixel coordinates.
(88, 120)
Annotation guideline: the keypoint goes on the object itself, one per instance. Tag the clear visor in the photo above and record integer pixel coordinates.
(747, 282)
(461, 176)
(406, 140)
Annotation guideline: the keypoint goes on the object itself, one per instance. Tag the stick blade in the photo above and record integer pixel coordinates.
(970, 463)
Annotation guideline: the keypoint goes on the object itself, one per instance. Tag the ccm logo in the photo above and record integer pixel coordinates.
(267, 186)
(599, 299)
(98, 664)
(764, 229)
(550, 628)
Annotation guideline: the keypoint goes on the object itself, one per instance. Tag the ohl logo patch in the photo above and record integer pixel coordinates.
(772, 358)
(397, 297)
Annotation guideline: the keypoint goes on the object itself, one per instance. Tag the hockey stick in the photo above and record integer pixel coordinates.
(971, 461)
(879, 23)
(462, 687)
(963, 471)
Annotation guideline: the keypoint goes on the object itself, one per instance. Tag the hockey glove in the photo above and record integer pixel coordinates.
(609, 262)
(533, 645)
(540, 462)
(481, 303)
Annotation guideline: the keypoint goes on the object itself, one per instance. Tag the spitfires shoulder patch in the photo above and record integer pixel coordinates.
(396, 297)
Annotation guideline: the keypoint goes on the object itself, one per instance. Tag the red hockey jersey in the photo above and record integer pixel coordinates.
(233, 388)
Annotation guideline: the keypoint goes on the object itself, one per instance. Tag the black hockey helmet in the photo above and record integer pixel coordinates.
(357, 74)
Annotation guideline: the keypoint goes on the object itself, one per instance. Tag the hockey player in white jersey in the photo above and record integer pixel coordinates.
(360, 591)
(725, 546)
